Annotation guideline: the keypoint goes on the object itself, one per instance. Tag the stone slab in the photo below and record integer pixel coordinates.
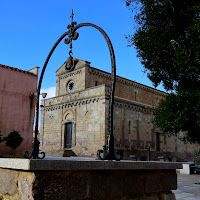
(186, 169)
(14, 163)
(83, 164)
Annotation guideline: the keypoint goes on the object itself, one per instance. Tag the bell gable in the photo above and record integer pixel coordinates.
(66, 66)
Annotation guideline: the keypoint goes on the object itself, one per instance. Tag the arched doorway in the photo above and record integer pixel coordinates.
(68, 135)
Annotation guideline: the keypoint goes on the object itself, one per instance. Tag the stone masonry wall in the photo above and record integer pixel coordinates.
(90, 128)
(86, 106)
(134, 132)
(77, 75)
(125, 88)
(16, 185)
(132, 128)
(86, 112)
(88, 185)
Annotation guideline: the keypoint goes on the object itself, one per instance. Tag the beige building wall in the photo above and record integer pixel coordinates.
(86, 110)
(125, 88)
(78, 76)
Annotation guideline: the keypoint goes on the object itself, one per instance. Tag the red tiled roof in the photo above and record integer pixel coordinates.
(16, 69)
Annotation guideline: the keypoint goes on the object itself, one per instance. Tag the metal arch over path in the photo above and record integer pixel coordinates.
(73, 36)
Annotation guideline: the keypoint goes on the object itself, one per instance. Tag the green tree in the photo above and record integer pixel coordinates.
(167, 40)
(180, 112)
(13, 140)
(1, 140)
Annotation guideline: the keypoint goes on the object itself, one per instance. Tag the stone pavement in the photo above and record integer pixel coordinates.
(188, 187)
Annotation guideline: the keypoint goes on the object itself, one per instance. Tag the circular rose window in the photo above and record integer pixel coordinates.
(70, 85)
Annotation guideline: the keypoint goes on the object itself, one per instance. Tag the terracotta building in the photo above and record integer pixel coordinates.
(76, 119)
(17, 105)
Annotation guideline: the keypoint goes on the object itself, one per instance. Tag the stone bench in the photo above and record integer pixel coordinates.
(186, 168)
(82, 179)
(191, 167)
(196, 167)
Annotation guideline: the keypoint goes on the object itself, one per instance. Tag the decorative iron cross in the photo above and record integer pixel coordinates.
(72, 16)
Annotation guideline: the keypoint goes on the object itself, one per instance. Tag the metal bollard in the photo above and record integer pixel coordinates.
(148, 153)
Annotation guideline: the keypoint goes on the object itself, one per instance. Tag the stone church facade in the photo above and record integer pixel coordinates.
(76, 118)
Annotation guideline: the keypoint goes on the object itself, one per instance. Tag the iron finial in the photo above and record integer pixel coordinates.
(72, 16)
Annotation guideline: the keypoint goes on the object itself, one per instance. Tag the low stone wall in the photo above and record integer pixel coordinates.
(16, 185)
(89, 183)
(156, 155)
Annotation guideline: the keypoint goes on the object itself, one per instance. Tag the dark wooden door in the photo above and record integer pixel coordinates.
(68, 135)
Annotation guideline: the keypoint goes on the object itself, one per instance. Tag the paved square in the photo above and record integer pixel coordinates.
(188, 187)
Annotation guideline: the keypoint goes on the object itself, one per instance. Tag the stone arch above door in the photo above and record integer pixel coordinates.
(68, 115)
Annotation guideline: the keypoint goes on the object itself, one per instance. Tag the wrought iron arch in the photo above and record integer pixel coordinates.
(73, 35)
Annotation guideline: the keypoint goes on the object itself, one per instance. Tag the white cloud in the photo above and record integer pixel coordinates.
(51, 92)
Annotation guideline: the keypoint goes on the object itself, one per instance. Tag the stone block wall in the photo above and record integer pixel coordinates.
(134, 132)
(77, 75)
(86, 110)
(86, 106)
(90, 128)
(16, 185)
(125, 88)
(132, 128)
(88, 185)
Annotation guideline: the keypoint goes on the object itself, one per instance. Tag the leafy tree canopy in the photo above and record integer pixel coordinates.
(180, 112)
(14, 139)
(167, 40)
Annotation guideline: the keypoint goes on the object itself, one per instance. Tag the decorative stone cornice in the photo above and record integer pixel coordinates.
(99, 73)
(133, 102)
(118, 103)
(130, 106)
(69, 74)
(72, 103)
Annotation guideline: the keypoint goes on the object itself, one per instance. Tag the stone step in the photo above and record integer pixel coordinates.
(68, 153)
(60, 153)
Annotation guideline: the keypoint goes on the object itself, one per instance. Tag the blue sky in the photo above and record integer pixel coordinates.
(29, 29)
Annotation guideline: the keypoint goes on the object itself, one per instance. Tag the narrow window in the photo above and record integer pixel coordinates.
(96, 83)
(135, 95)
(157, 141)
(129, 127)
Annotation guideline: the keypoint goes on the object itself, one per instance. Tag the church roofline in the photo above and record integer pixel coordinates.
(119, 78)
(87, 62)
(16, 69)
(140, 84)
